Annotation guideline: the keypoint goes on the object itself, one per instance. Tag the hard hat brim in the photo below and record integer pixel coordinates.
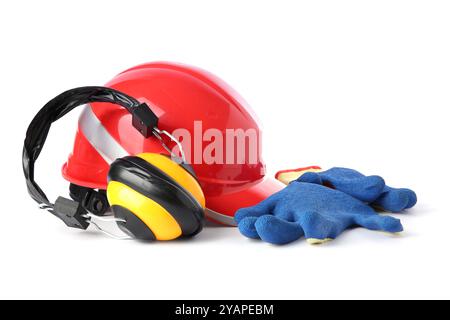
(221, 209)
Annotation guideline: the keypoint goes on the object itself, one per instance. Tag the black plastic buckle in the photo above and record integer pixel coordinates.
(144, 119)
(92, 200)
(71, 212)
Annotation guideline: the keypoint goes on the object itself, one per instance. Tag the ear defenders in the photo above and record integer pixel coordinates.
(152, 197)
(157, 198)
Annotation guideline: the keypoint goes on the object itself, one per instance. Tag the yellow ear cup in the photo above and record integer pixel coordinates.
(155, 217)
(177, 173)
(156, 197)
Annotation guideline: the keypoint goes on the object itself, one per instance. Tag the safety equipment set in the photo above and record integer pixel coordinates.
(123, 161)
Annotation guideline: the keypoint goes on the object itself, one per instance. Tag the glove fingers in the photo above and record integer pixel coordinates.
(380, 223)
(319, 229)
(244, 213)
(255, 211)
(247, 227)
(277, 231)
(396, 200)
(412, 198)
(264, 207)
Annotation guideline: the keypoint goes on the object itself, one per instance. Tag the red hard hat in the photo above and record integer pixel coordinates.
(184, 98)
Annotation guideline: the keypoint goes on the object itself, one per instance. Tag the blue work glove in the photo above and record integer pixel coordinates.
(313, 210)
(370, 189)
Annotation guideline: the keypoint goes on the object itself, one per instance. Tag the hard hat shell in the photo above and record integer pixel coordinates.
(183, 97)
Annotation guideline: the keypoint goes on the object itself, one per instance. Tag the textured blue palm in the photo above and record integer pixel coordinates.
(312, 210)
(370, 189)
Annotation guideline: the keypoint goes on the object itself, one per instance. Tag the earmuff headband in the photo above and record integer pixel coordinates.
(143, 119)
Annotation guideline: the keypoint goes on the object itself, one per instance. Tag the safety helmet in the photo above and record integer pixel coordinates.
(185, 99)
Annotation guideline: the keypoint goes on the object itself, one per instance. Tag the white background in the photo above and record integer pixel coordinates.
(361, 84)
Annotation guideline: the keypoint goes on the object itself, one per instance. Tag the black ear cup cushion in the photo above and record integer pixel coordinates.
(151, 182)
(133, 225)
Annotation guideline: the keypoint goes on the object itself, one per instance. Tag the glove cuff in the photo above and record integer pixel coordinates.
(286, 176)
